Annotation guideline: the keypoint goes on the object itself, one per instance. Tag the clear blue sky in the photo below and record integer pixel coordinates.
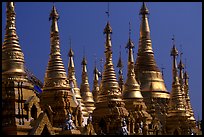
(84, 23)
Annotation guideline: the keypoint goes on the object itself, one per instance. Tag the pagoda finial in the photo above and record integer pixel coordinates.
(144, 10)
(54, 16)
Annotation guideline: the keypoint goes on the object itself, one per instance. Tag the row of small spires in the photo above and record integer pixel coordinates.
(143, 11)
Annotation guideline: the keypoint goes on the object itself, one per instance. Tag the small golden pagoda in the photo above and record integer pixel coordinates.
(56, 98)
(147, 73)
(87, 96)
(110, 108)
(73, 81)
(177, 116)
(134, 99)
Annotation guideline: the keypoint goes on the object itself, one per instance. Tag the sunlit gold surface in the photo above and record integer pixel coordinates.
(146, 69)
(56, 90)
(143, 98)
(87, 96)
(12, 55)
(132, 88)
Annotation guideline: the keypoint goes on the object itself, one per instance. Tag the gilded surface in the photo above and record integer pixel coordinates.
(142, 104)
(110, 108)
(146, 69)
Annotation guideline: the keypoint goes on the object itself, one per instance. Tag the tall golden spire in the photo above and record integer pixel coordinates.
(87, 96)
(132, 95)
(72, 78)
(176, 99)
(110, 103)
(12, 55)
(109, 82)
(120, 72)
(132, 88)
(145, 66)
(188, 102)
(56, 89)
(55, 77)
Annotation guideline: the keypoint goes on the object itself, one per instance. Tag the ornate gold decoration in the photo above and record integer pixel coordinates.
(12, 55)
(110, 108)
(56, 90)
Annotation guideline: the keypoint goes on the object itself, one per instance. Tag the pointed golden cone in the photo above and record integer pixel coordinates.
(56, 90)
(55, 77)
(87, 96)
(16, 88)
(132, 88)
(145, 66)
(131, 94)
(176, 99)
(12, 55)
(72, 78)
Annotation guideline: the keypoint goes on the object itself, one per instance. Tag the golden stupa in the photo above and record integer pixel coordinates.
(137, 105)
